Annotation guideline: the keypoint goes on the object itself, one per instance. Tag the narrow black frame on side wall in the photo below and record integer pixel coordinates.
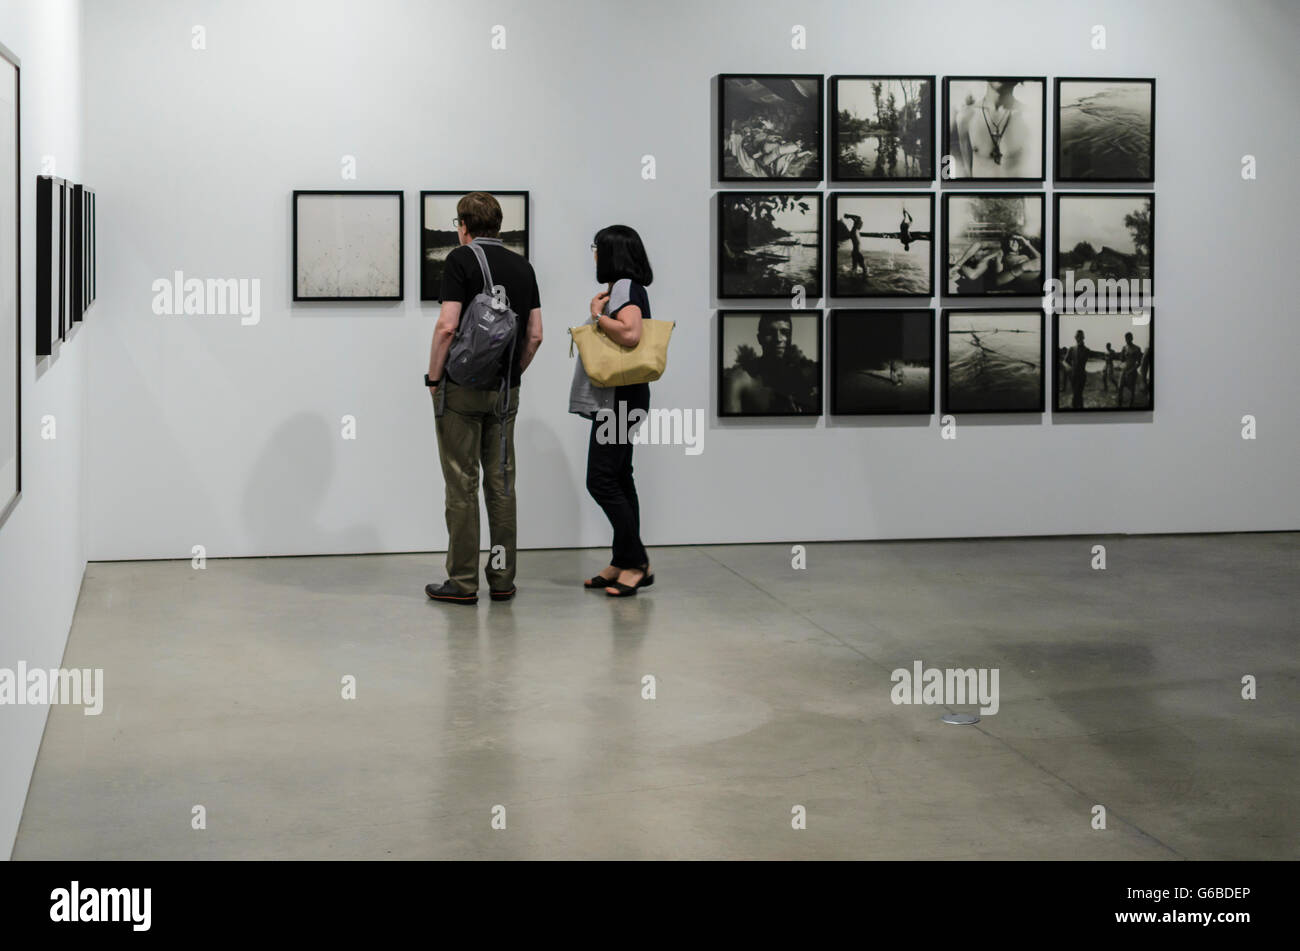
(12, 492)
(49, 264)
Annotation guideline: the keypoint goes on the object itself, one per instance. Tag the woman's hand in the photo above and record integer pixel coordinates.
(598, 304)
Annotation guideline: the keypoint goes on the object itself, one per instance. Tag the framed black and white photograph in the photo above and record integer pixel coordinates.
(1104, 362)
(1105, 130)
(347, 245)
(66, 251)
(769, 243)
(995, 128)
(993, 244)
(1104, 251)
(882, 244)
(77, 245)
(11, 349)
(882, 128)
(770, 128)
(770, 363)
(439, 235)
(49, 261)
(992, 361)
(882, 362)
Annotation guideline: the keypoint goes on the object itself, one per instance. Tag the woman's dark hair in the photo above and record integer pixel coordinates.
(620, 254)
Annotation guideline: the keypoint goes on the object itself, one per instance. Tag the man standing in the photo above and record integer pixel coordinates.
(1128, 374)
(1077, 359)
(471, 422)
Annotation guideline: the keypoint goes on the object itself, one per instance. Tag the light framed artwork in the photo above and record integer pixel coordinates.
(770, 363)
(995, 128)
(769, 244)
(881, 362)
(1105, 130)
(439, 237)
(882, 128)
(49, 262)
(770, 127)
(991, 361)
(993, 244)
(11, 337)
(1104, 362)
(882, 244)
(1104, 250)
(348, 245)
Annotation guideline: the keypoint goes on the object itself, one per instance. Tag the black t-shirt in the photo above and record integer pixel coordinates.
(462, 280)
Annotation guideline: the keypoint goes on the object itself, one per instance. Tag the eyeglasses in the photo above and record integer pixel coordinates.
(593, 247)
(457, 221)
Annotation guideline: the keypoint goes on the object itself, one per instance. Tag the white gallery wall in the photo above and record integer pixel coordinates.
(206, 431)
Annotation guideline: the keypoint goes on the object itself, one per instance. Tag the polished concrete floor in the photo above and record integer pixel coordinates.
(1119, 688)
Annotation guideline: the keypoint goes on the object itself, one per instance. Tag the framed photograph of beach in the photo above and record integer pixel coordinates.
(993, 244)
(882, 244)
(770, 127)
(1104, 251)
(770, 363)
(992, 361)
(1104, 362)
(994, 128)
(882, 362)
(882, 128)
(347, 245)
(769, 244)
(439, 237)
(1105, 130)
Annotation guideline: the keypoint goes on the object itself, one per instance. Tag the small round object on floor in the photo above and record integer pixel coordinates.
(960, 719)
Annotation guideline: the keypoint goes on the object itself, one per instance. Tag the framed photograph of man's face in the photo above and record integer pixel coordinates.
(882, 244)
(439, 235)
(769, 244)
(1105, 130)
(991, 361)
(770, 128)
(993, 244)
(1104, 250)
(882, 362)
(994, 128)
(882, 128)
(1104, 362)
(770, 363)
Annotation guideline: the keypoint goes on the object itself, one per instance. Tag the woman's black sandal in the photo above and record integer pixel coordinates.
(625, 590)
(598, 581)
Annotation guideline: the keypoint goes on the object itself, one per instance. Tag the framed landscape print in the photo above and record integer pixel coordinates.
(994, 128)
(882, 128)
(993, 244)
(882, 362)
(439, 237)
(770, 363)
(770, 128)
(882, 244)
(992, 361)
(347, 245)
(1105, 130)
(11, 416)
(1104, 250)
(1104, 362)
(769, 243)
(49, 262)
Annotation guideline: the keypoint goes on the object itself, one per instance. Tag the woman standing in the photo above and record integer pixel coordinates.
(621, 265)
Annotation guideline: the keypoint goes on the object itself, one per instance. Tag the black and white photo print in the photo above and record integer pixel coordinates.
(347, 245)
(1104, 250)
(994, 128)
(1104, 362)
(770, 127)
(439, 235)
(992, 361)
(770, 363)
(882, 362)
(769, 244)
(993, 244)
(882, 243)
(1105, 130)
(882, 128)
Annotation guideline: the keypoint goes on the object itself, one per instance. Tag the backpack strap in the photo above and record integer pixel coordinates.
(477, 247)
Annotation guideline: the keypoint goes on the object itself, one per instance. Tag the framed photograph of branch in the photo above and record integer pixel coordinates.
(882, 244)
(882, 362)
(11, 339)
(769, 244)
(882, 128)
(993, 244)
(992, 361)
(1105, 130)
(770, 363)
(439, 237)
(770, 128)
(347, 245)
(995, 128)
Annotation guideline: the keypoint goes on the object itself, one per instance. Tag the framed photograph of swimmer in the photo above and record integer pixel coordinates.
(770, 363)
(1103, 251)
(1104, 362)
(993, 244)
(991, 361)
(438, 235)
(882, 362)
(770, 128)
(1105, 130)
(347, 245)
(882, 128)
(995, 128)
(882, 244)
(769, 243)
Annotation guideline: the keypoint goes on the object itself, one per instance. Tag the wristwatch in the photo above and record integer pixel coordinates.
(429, 382)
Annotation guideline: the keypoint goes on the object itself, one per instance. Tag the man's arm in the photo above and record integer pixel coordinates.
(443, 333)
(534, 338)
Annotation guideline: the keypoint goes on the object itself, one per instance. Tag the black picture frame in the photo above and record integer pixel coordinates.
(1062, 167)
(94, 247)
(430, 279)
(729, 256)
(1146, 300)
(77, 247)
(840, 320)
(726, 405)
(950, 405)
(948, 145)
(9, 499)
(838, 288)
(816, 171)
(67, 239)
(49, 262)
(1060, 374)
(836, 172)
(1019, 289)
(296, 276)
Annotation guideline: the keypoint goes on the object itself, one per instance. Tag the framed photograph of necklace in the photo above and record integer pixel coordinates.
(994, 129)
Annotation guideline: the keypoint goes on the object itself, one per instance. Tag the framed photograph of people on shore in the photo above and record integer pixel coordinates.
(882, 244)
(1104, 362)
(439, 236)
(994, 128)
(770, 127)
(992, 361)
(1104, 250)
(882, 362)
(1105, 130)
(347, 245)
(993, 244)
(769, 244)
(882, 128)
(770, 363)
